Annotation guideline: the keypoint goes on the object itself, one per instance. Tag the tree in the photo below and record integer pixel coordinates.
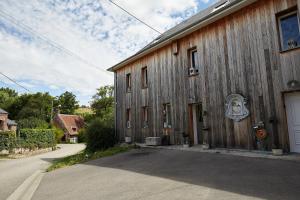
(67, 103)
(7, 98)
(36, 105)
(103, 101)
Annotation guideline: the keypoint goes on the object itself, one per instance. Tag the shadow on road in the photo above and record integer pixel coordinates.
(262, 178)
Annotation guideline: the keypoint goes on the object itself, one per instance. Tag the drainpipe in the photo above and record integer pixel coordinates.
(115, 103)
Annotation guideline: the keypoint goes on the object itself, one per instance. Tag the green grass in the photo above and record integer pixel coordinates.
(85, 156)
(80, 111)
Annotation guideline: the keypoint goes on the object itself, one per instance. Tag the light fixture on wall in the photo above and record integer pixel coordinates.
(293, 84)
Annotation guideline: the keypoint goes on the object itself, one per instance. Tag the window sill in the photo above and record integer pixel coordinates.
(191, 75)
(167, 127)
(288, 50)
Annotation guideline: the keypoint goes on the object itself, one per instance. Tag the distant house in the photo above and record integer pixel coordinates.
(71, 124)
(5, 123)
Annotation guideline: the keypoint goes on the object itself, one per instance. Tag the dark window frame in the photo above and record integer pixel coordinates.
(128, 83)
(281, 15)
(128, 118)
(145, 116)
(167, 115)
(144, 77)
(193, 68)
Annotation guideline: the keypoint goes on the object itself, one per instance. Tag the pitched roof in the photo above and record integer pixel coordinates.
(71, 123)
(3, 111)
(215, 12)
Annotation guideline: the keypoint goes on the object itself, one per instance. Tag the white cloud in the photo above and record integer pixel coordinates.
(95, 30)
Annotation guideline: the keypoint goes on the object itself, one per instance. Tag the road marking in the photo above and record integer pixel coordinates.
(26, 190)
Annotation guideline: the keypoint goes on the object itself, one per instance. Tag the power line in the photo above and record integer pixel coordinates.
(47, 40)
(134, 16)
(15, 82)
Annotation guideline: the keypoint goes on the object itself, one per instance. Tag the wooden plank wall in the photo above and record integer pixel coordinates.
(237, 54)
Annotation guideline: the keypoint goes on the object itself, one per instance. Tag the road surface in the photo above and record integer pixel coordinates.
(151, 174)
(15, 171)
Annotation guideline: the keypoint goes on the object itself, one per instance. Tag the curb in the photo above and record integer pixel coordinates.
(26, 190)
(249, 154)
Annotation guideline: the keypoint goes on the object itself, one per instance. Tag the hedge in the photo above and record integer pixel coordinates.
(29, 139)
(7, 140)
(38, 138)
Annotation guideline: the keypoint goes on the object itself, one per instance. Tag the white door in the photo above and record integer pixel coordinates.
(292, 101)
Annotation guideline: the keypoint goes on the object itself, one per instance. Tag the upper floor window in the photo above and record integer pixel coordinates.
(144, 77)
(289, 29)
(145, 112)
(193, 61)
(167, 115)
(128, 82)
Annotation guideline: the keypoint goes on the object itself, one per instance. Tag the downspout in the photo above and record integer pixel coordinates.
(115, 104)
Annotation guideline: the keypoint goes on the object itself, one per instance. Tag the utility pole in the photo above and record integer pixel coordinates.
(51, 117)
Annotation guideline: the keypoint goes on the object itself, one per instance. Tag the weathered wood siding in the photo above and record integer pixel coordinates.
(238, 54)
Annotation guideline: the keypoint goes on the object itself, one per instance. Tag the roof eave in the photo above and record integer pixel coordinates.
(217, 15)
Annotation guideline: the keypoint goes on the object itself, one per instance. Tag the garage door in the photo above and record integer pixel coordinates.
(293, 117)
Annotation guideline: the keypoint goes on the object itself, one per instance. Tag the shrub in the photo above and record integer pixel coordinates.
(82, 135)
(33, 123)
(7, 140)
(38, 138)
(100, 135)
(59, 134)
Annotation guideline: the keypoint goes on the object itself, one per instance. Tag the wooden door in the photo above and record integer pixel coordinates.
(292, 101)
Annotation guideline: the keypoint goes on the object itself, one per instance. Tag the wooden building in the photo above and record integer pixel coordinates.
(183, 80)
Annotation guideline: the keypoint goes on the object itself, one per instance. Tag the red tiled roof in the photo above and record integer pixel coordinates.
(71, 123)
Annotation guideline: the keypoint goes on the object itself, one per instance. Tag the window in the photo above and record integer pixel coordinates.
(128, 82)
(74, 129)
(193, 62)
(288, 25)
(167, 115)
(128, 118)
(145, 112)
(144, 77)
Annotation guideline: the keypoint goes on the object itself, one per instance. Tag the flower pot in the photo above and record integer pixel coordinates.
(277, 152)
(128, 140)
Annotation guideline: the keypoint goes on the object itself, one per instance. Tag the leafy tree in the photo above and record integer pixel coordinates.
(103, 101)
(7, 98)
(67, 103)
(32, 123)
(100, 135)
(37, 105)
(59, 134)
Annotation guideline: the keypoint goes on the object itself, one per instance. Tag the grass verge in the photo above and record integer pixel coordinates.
(85, 156)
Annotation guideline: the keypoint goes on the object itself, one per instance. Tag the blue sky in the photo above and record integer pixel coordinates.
(33, 33)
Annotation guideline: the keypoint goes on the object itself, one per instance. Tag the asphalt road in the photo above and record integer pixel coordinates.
(150, 174)
(15, 171)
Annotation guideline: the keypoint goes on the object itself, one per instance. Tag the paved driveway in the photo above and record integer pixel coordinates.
(14, 172)
(169, 174)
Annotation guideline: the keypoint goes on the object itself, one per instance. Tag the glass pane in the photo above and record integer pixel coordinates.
(290, 31)
(194, 59)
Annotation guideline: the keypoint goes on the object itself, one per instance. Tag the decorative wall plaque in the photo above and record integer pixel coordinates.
(235, 107)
